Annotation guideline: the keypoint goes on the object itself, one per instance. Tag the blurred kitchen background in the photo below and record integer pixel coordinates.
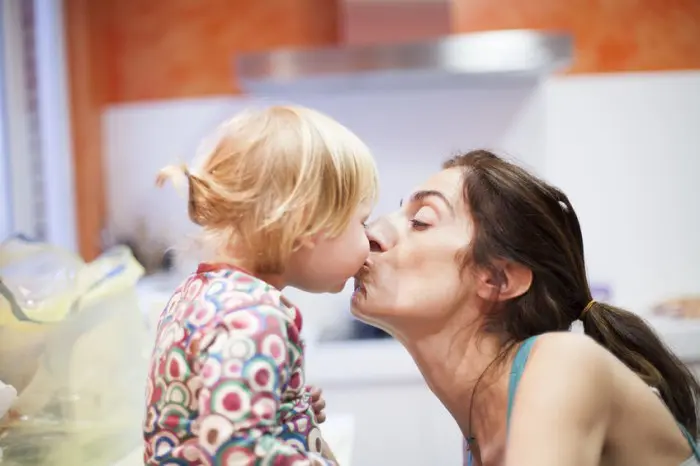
(600, 97)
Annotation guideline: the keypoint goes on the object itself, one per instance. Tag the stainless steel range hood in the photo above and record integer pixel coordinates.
(487, 59)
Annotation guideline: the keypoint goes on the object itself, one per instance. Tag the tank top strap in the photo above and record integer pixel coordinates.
(693, 442)
(516, 373)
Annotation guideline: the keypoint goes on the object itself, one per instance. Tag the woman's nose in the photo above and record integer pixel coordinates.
(381, 235)
(373, 238)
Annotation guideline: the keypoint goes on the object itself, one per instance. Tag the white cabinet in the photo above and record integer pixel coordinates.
(398, 420)
(397, 424)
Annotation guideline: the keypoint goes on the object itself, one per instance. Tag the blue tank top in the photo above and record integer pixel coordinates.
(516, 373)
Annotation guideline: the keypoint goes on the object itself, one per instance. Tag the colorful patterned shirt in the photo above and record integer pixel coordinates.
(226, 380)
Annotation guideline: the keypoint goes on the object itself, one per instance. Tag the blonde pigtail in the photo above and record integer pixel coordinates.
(178, 175)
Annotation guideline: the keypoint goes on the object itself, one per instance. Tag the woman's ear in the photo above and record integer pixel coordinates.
(505, 281)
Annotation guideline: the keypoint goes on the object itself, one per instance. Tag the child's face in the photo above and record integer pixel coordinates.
(326, 266)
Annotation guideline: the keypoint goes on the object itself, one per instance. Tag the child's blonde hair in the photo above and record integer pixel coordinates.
(274, 177)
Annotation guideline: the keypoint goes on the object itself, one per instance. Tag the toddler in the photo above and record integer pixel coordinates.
(282, 199)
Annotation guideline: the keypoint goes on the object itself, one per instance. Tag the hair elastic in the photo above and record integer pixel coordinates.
(587, 308)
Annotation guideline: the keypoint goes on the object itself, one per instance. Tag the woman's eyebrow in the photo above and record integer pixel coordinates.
(423, 194)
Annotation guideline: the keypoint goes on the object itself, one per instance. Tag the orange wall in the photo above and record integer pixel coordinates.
(133, 50)
(366, 22)
(181, 48)
(610, 35)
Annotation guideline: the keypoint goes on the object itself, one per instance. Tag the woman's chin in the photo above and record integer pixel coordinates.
(364, 308)
(359, 314)
(358, 303)
(357, 300)
(366, 314)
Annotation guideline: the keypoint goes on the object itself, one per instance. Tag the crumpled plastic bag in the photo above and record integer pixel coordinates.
(8, 395)
(71, 344)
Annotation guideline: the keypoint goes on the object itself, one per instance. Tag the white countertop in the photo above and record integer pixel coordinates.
(386, 361)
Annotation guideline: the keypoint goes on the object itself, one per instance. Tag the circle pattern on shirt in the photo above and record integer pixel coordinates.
(264, 406)
(261, 373)
(214, 431)
(211, 371)
(194, 288)
(274, 346)
(179, 394)
(236, 456)
(176, 367)
(243, 323)
(232, 400)
(195, 409)
(174, 418)
(239, 348)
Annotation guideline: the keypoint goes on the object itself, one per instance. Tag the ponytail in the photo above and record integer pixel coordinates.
(206, 206)
(633, 342)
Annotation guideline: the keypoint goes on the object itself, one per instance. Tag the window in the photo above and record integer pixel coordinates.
(36, 165)
(5, 204)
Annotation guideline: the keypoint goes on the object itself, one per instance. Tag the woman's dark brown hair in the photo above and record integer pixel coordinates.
(520, 218)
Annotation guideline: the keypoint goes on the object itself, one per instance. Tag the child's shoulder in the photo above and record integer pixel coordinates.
(236, 298)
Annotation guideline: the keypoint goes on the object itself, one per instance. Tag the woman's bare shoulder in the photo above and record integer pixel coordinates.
(564, 393)
(568, 365)
(572, 353)
(571, 368)
(570, 349)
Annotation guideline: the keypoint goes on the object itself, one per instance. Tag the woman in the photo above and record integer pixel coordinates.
(479, 275)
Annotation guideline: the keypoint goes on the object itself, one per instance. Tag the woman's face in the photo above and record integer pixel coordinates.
(414, 271)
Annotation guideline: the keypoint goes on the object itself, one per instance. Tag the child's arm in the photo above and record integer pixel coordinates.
(243, 369)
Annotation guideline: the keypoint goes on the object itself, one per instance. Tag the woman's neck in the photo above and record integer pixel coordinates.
(462, 367)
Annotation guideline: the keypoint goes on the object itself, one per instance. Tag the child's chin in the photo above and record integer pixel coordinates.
(337, 288)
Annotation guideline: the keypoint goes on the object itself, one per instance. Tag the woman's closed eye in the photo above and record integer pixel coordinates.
(418, 225)
(423, 219)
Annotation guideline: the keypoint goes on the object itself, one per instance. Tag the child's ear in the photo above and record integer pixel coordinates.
(308, 241)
